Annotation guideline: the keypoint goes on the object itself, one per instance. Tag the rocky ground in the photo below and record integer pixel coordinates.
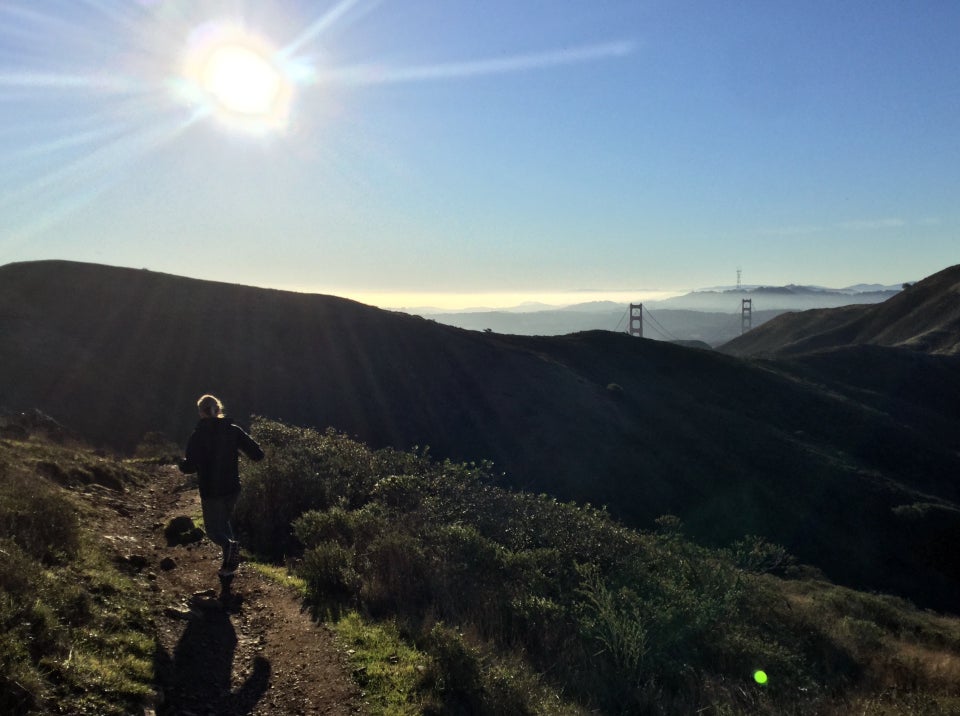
(223, 650)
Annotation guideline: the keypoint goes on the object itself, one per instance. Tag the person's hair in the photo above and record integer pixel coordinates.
(210, 406)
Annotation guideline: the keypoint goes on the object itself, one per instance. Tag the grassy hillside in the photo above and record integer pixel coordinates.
(76, 635)
(514, 599)
(925, 317)
(855, 484)
(456, 594)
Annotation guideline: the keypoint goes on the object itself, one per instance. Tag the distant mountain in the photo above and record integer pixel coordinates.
(924, 317)
(595, 307)
(873, 288)
(709, 316)
(781, 298)
(855, 475)
(659, 324)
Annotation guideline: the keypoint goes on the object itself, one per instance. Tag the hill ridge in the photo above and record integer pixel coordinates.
(800, 454)
(923, 317)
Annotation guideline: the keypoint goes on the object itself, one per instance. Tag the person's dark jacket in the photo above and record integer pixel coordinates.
(213, 453)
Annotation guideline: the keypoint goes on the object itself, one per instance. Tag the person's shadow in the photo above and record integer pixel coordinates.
(197, 676)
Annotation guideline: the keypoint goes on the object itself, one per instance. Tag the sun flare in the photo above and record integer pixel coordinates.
(237, 78)
(120, 80)
(241, 80)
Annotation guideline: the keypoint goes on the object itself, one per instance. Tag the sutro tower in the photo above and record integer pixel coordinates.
(738, 278)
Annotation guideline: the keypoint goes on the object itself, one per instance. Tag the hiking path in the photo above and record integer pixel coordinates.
(249, 651)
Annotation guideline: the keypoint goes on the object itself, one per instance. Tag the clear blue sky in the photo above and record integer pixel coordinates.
(499, 146)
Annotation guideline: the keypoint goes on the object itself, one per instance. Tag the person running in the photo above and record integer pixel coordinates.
(213, 452)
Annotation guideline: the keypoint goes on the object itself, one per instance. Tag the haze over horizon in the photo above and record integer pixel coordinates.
(484, 154)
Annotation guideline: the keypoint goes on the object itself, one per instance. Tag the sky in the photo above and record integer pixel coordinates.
(465, 153)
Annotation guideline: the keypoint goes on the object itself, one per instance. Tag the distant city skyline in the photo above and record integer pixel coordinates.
(466, 154)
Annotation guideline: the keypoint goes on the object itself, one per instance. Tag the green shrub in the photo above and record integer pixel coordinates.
(863, 635)
(328, 572)
(396, 575)
(757, 555)
(305, 470)
(276, 491)
(457, 670)
(316, 526)
(615, 620)
(620, 620)
(400, 493)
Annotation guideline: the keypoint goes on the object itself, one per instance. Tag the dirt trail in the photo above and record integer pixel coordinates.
(253, 651)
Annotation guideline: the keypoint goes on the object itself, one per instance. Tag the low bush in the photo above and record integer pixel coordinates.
(757, 555)
(456, 671)
(305, 470)
(329, 575)
(403, 536)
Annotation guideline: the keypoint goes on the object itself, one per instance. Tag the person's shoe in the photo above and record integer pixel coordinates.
(225, 572)
(232, 559)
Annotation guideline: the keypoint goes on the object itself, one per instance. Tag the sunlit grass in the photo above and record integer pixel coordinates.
(280, 575)
(388, 670)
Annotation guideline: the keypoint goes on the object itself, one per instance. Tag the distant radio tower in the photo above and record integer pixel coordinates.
(738, 278)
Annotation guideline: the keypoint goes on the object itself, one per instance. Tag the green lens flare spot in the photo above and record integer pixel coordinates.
(760, 677)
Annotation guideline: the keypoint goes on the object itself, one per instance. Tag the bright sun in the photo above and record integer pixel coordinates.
(235, 76)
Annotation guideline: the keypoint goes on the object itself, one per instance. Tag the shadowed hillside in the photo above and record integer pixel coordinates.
(925, 317)
(864, 489)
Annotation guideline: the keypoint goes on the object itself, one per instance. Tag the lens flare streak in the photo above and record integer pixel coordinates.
(366, 75)
(318, 27)
(77, 139)
(103, 161)
(55, 81)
